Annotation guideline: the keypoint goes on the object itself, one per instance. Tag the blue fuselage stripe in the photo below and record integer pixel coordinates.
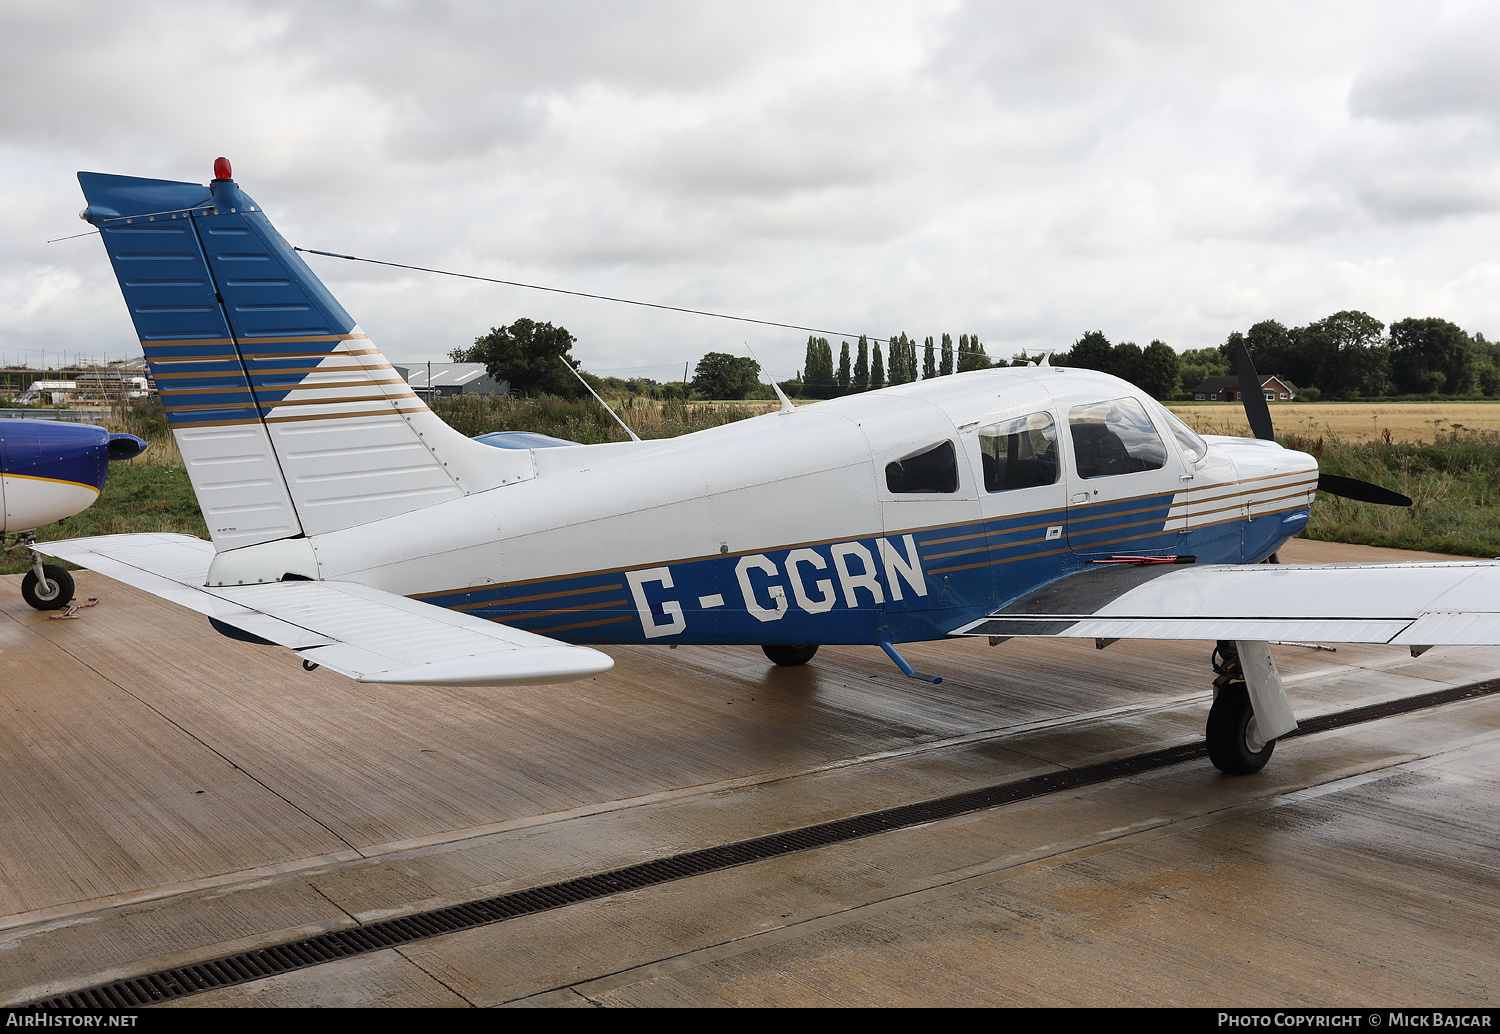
(897, 587)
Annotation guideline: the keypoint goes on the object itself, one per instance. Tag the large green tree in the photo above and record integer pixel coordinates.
(1343, 355)
(1125, 362)
(719, 375)
(1431, 356)
(1158, 370)
(530, 355)
(1090, 352)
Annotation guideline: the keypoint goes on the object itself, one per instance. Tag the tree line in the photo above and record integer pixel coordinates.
(1347, 355)
(1353, 355)
(870, 370)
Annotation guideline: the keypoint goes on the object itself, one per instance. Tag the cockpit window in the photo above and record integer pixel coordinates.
(1193, 447)
(934, 469)
(1019, 453)
(1115, 437)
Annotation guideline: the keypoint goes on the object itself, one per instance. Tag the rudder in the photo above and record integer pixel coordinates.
(289, 420)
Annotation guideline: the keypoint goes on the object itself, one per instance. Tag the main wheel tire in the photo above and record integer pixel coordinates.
(1234, 743)
(789, 656)
(53, 594)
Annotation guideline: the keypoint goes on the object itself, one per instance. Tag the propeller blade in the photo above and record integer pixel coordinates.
(1360, 491)
(1252, 395)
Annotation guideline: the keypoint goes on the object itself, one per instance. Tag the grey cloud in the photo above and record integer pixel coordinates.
(1448, 69)
(1024, 170)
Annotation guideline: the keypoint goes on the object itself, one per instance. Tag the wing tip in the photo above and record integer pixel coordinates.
(528, 667)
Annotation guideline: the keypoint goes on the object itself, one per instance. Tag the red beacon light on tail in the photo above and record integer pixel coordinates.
(222, 170)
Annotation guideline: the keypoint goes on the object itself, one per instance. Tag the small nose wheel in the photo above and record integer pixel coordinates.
(52, 591)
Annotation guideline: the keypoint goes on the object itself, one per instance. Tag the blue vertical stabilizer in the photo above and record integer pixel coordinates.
(289, 420)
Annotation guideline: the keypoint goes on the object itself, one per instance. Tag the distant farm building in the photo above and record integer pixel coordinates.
(439, 380)
(1227, 389)
(110, 384)
(51, 393)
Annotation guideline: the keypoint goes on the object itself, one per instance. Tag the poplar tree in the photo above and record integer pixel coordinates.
(861, 381)
(844, 370)
(817, 375)
(971, 354)
(877, 370)
(897, 366)
(929, 364)
(947, 364)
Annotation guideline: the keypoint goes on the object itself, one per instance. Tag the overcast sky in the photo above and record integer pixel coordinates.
(1022, 171)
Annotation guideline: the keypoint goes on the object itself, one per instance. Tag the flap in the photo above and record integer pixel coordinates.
(1426, 604)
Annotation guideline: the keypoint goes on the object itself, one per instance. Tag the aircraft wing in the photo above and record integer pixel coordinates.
(1423, 604)
(364, 633)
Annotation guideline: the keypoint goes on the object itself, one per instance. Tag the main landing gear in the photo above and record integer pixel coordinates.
(789, 656)
(1235, 743)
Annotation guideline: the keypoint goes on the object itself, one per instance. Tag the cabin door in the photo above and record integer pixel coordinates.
(1122, 479)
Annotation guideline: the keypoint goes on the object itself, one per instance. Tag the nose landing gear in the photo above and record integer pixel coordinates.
(46, 586)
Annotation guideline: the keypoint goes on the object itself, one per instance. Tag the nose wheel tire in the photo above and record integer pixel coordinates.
(789, 656)
(53, 594)
(1234, 743)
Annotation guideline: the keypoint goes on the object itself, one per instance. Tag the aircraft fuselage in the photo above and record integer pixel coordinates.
(794, 528)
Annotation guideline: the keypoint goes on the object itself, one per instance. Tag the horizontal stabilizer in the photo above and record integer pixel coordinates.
(1429, 604)
(364, 633)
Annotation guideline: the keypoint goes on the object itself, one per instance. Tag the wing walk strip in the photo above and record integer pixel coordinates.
(183, 981)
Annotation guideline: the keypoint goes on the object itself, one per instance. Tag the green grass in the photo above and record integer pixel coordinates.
(1453, 481)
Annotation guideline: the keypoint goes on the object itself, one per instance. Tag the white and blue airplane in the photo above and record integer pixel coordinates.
(50, 471)
(353, 526)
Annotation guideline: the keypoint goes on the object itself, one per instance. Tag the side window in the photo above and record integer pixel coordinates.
(1192, 446)
(934, 469)
(1019, 453)
(1114, 437)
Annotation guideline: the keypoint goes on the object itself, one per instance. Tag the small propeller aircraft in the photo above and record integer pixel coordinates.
(353, 526)
(50, 471)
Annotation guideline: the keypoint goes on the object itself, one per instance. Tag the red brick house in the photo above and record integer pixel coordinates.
(1227, 389)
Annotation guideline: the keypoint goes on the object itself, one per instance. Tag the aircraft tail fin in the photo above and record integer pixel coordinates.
(289, 420)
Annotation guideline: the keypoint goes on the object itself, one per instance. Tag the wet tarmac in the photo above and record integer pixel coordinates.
(171, 796)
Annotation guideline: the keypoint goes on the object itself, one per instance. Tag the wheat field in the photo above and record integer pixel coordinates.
(1350, 421)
